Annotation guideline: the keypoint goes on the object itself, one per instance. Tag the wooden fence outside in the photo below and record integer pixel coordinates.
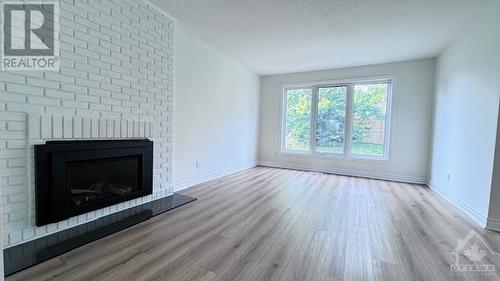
(374, 132)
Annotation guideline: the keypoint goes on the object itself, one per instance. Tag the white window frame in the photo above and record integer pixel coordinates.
(350, 83)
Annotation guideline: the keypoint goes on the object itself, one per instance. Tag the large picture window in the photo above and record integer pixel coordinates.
(340, 119)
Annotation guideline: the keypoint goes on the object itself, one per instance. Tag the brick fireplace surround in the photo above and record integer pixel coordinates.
(115, 82)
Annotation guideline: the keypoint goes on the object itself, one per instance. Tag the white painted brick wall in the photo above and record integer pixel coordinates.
(116, 68)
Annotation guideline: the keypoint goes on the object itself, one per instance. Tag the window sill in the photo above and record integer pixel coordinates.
(335, 156)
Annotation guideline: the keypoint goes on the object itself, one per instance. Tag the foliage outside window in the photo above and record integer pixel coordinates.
(346, 119)
(298, 112)
(330, 122)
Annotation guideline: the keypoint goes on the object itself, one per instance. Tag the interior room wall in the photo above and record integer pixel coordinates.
(493, 221)
(412, 99)
(216, 105)
(466, 113)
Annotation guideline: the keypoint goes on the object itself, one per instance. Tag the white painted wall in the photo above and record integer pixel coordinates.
(466, 109)
(411, 122)
(216, 105)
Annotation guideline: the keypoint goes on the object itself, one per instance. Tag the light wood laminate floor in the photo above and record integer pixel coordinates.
(284, 225)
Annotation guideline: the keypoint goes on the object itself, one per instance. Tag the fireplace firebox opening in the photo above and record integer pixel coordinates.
(76, 177)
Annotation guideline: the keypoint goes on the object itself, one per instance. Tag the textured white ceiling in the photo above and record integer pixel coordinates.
(281, 36)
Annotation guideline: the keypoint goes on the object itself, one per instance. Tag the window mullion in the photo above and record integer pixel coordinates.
(348, 120)
(314, 114)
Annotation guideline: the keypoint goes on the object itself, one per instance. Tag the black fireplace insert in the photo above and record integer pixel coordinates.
(76, 177)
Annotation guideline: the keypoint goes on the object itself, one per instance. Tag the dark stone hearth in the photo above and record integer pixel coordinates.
(30, 253)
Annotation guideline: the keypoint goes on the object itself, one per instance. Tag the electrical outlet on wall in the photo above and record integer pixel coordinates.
(197, 164)
(449, 177)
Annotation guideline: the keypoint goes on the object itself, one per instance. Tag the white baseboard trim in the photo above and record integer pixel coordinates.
(345, 172)
(201, 179)
(460, 204)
